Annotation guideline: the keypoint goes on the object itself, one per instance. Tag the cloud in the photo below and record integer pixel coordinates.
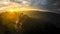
(51, 5)
(35, 3)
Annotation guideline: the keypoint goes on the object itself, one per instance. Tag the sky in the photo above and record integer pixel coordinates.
(37, 3)
(34, 3)
(51, 5)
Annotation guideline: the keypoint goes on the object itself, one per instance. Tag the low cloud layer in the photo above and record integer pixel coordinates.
(51, 5)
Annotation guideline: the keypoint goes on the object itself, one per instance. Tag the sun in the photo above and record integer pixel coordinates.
(12, 10)
(18, 9)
